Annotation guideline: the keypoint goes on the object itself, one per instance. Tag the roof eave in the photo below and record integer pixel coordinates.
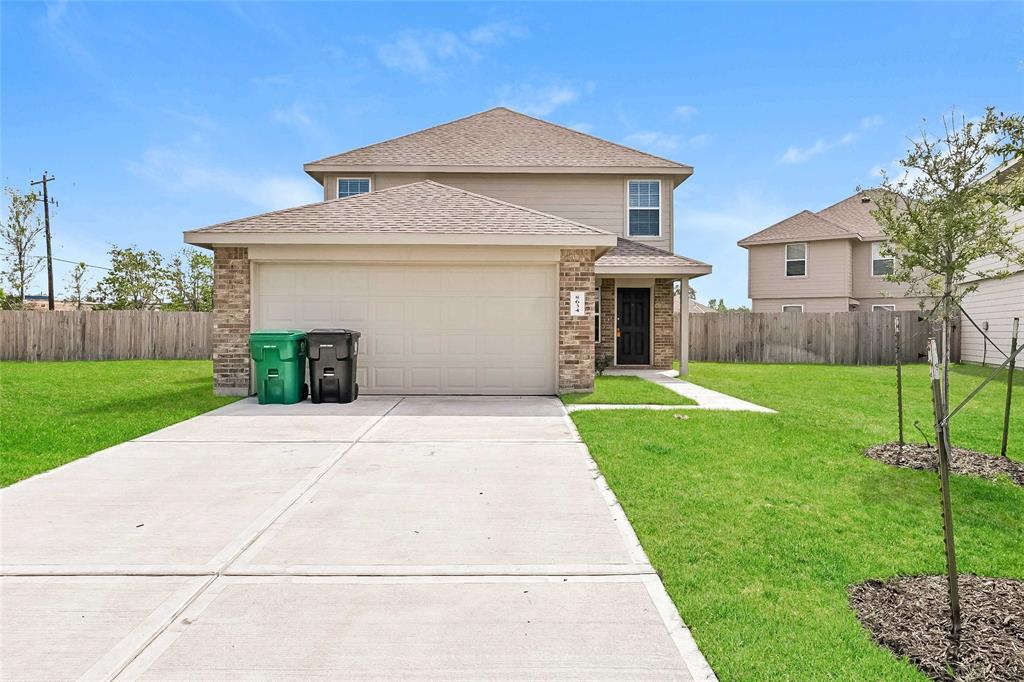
(208, 238)
(796, 239)
(696, 270)
(318, 170)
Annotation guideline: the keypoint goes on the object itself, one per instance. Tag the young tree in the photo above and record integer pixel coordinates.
(190, 281)
(947, 210)
(76, 285)
(18, 240)
(136, 280)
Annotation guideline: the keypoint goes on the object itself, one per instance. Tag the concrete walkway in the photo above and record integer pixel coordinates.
(465, 538)
(705, 398)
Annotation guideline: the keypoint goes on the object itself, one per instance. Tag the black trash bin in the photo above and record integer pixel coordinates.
(332, 365)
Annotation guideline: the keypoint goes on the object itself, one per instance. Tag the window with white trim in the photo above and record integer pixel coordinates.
(796, 260)
(597, 316)
(880, 265)
(348, 187)
(793, 308)
(644, 197)
(883, 306)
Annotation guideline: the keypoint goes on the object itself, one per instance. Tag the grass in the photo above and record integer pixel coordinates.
(758, 523)
(626, 390)
(56, 412)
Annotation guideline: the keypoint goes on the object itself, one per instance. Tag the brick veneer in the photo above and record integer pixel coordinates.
(576, 333)
(663, 353)
(606, 346)
(231, 321)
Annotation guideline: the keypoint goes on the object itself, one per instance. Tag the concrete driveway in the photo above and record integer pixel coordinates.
(427, 537)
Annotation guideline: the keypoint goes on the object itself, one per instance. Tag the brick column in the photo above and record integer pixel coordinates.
(231, 321)
(575, 333)
(606, 348)
(663, 352)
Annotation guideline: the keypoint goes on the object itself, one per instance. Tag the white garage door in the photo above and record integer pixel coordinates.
(444, 328)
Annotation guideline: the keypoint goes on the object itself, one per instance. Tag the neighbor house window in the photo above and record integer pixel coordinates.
(597, 316)
(880, 265)
(793, 308)
(796, 260)
(883, 306)
(350, 186)
(644, 208)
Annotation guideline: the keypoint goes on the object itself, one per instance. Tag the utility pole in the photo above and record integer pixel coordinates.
(49, 251)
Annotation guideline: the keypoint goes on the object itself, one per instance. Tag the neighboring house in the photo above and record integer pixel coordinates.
(695, 307)
(41, 302)
(829, 261)
(496, 254)
(995, 302)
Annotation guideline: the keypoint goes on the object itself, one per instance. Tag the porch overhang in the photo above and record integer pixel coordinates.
(688, 271)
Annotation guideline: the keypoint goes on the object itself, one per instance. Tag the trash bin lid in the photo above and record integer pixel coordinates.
(334, 331)
(277, 335)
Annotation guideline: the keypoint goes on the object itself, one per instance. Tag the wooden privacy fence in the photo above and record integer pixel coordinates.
(850, 338)
(104, 335)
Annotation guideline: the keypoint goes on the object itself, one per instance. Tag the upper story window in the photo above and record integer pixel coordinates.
(880, 265)
(796, 260)
(350, 186)
(644, 208)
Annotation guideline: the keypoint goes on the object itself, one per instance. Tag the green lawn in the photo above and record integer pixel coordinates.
(56, 412)
(626, 390)
(758, 523)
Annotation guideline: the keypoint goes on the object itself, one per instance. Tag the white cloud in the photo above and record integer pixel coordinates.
(295, 116)
(701, 140)
(684, 112)
(539, 99)
(583, 127)
(796, 154)
(422, 53)
(653, 140)
(177, 170)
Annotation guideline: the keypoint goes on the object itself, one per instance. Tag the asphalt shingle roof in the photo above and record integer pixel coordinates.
(419, 207)
(628, 252)
(499, 137)
(848, 219)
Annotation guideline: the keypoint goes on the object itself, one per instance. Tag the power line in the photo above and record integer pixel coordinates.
(76, 262)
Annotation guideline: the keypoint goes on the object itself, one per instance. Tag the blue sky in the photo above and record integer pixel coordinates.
(159, 117)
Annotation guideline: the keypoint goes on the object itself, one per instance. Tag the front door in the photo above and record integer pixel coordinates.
(633, 327)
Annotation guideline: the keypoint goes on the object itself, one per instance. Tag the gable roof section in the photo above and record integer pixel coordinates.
(847, 219)
(498, 140)
(418, 213)
(805, 225)
(631, 257)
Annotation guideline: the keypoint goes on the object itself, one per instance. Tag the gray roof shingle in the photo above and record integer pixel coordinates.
(499, 137)
(627, 252)
(847, 219)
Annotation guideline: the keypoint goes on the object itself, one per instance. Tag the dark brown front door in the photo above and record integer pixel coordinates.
(633, 325)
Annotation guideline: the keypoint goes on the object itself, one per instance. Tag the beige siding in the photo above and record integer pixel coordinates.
(597, 200)
(900, 303)
(867, 286)
(828, 271)
(996, 302)
(839, 304)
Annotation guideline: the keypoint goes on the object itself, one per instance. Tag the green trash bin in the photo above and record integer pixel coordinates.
(280, 357)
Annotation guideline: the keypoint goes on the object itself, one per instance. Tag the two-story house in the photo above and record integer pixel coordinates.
(825, 261)
(495, 254)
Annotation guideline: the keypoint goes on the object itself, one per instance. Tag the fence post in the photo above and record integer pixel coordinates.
(942, 445)
(1009, 386)
(899, 376)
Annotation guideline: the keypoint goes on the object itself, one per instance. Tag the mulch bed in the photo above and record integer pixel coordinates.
(962, 461)
(910, 617)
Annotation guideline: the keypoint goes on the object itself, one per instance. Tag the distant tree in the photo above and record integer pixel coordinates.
(18, 240)
(189, 281)
(136, 280)
(941, 215)
(693, 293)
(75, 292)
(719, 305)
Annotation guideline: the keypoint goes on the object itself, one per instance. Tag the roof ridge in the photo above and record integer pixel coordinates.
(844, 228)
(526, 209)
(559, 126)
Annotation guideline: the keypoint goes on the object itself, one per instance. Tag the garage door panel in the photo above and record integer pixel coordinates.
(445, 328)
